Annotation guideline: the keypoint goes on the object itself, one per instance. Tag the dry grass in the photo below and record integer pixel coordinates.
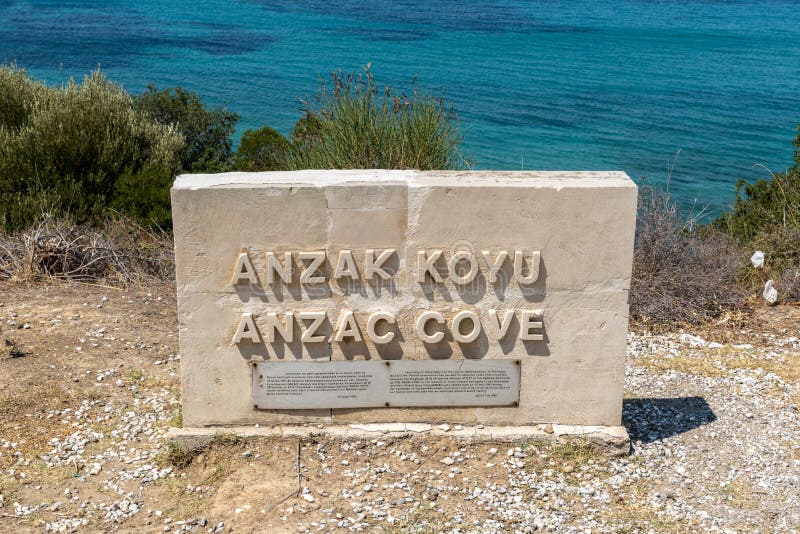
(147, 380)
(719, 362)
(120, 252)
(792, 449)
(573, 454)
(739, 493)
(632, 512)
(22, 416)
(727, 328)
(786, 367)
(686, 364)
(176, 420)
(8, 488)
(681, 274)
(176, 454)
(420, 522)
(182, 504)
(38, 398)
(212, 463)
(32, 431)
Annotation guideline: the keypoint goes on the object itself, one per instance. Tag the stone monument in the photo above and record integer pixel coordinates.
(486, 299)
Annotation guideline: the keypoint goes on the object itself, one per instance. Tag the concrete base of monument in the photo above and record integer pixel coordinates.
(612, 440)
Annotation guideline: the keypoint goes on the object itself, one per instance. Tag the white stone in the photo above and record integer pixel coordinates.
(266, 263)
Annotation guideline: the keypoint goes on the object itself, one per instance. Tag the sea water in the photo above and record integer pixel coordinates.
(709, 89)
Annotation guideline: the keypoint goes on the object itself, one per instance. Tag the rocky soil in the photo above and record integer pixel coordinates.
(89, 383)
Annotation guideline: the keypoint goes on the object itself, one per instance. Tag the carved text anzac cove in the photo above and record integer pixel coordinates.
(461, 268)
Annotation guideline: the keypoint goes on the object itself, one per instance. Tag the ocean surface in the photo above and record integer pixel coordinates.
(547, 84)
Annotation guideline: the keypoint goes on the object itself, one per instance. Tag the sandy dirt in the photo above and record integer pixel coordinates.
(89, 383)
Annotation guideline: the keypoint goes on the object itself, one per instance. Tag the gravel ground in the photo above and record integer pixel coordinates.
(90, 384)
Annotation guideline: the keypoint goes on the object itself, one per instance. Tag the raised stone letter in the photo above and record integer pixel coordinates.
(504, 324)
(246, 330)
(519, 264)
(273, 324)
(274, 266)
(347, 327)
(456, 326)
(427, 264)
(422, 320)
(346, 265)
(372, 266)
(469, 276)
(308, 333)
(372, 322)
(530, 327)
(307, 276)
(496, 264)
(244, 270)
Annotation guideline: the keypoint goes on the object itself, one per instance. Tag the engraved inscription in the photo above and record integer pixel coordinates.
(368, 384)
(461, 266)
(430, 326)
(307, 294)
(488, 383)
(344, 383)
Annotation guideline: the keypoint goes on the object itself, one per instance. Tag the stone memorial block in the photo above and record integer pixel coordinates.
(498, 298)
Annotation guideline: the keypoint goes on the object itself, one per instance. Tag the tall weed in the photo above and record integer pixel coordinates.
(355, 125)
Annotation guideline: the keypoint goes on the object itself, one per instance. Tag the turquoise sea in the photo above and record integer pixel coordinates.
(542, 84)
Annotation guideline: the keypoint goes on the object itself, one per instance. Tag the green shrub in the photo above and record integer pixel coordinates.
(79, 149)
(144, 196)
(18, 93)
(356, 126)
(262, 150)
(765, 205)
(206, 132)
(766, 217)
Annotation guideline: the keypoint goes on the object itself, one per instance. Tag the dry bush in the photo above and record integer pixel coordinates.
(118, 252)
(682, 273)
(789, 285)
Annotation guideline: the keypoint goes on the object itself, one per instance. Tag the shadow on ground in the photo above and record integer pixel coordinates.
(649, 420)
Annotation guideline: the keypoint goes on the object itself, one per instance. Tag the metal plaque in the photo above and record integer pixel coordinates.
(373, 384)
